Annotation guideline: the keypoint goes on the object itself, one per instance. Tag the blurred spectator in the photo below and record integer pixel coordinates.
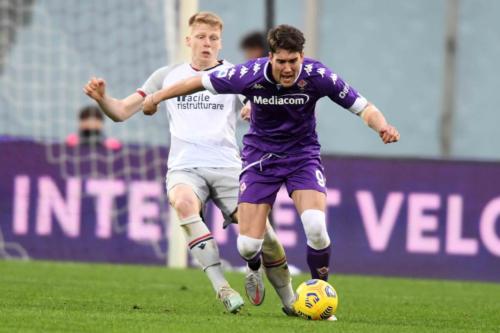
(91, 130)
(13, 16)
(254, 45)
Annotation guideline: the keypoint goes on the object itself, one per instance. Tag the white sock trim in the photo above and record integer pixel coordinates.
(190, 219)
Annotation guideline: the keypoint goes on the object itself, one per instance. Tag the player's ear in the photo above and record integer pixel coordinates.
(188, 41)
(270, 56)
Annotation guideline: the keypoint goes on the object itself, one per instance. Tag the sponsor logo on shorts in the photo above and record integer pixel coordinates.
(243, 187)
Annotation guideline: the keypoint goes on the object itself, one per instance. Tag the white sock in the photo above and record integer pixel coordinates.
(204, 249)
(281, 280)
(249, 247)
(314, 223)
(276, 267)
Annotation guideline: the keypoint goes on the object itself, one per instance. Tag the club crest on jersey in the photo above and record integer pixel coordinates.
(301, 84)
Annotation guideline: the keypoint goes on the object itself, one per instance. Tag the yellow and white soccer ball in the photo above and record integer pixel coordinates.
(316, 300)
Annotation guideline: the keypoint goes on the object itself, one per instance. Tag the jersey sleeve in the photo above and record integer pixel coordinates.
(242, 99)
(229, 80)
(154, 82)
(331, 85)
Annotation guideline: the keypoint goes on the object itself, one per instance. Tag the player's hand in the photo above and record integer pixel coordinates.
(149, 108)
(95, 88)
(389, 134)
(246, 112)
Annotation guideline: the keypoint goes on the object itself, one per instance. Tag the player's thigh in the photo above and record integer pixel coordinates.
(224, 186)
(307, 186)
(185, 187)
(258, 188)
(252, 219)
(308, 199)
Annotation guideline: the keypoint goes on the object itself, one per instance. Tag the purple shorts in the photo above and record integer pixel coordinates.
(264, 173)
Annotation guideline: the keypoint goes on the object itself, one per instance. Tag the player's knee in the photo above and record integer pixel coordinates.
(248, 247)
(185, 207)
(272, 249)
(314, 222)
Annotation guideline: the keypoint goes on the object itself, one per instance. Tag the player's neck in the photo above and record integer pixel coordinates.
(203, 65)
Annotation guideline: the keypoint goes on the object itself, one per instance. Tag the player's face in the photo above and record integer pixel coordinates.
(205, 43)
(286, 66)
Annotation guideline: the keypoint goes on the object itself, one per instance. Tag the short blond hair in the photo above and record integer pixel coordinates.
(209, 18)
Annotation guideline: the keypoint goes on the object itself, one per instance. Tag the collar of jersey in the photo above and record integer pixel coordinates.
(270, 80)
(220, 62)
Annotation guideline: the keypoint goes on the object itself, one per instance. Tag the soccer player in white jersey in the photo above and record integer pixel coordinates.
(204, 161)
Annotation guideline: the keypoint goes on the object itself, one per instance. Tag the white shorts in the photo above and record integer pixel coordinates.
(219, 184)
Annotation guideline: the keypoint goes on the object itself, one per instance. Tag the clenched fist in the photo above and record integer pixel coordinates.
(389, 134)
(148, 106)
(95, 88)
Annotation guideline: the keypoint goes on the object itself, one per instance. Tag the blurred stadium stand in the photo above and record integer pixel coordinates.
(393, 53)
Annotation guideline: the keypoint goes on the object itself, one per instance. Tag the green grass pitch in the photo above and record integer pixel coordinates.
(70, 297)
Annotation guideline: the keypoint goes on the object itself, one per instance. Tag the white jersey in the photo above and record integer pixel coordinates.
(202, 125)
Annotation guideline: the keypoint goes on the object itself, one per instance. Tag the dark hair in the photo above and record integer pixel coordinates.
(253, 40)
(287, 38)
(90, 111)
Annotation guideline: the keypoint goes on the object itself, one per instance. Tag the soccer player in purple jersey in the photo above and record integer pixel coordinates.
(282, 145)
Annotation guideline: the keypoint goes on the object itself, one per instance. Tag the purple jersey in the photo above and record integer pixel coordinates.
(283, 119)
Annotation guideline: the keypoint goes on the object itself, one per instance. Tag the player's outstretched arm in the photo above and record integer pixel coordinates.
(376, 120)
(181, 88)
(117, 110)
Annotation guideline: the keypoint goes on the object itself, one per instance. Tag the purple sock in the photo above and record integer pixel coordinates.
(318, 261)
